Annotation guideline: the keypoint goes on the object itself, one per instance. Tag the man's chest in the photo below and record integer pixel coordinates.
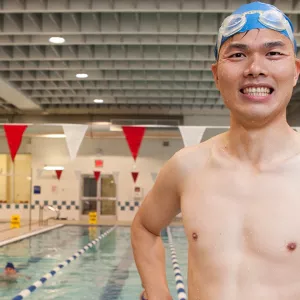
(231, 210)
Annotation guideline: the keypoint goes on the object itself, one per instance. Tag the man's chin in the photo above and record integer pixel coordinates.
(252, 118)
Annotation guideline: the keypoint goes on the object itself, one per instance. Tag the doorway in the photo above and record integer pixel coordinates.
(99, 196)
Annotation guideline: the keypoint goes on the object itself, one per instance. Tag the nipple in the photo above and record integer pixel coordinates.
(292, 246)
(195, 236)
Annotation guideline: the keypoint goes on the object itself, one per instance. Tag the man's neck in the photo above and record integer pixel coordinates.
(271, 143)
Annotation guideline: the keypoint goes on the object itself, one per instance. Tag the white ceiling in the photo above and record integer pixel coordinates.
(143, 57)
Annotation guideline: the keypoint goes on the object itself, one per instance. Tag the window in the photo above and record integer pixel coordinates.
(15, 178)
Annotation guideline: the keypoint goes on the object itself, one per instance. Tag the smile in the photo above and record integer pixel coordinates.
(257, 91)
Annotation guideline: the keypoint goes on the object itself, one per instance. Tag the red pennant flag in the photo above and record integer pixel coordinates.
(58, 174)
(97, 175)
(14, 135)
(134, 137)
(134, 176)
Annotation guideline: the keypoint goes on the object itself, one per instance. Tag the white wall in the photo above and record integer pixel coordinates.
(208, 120)
(117, 158)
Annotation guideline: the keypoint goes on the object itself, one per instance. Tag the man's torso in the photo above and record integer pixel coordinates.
(243, 229)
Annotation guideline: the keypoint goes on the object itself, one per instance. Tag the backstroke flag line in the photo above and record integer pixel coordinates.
(74, 135)
(14, 135)
(191, 135)
(134, 137)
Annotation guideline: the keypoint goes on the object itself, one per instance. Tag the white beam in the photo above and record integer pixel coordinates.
(74, 6)
(151, 94)
(131, 101)
(13, 96)
(116, 86)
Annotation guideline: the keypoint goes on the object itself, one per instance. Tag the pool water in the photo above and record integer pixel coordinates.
(106, 272)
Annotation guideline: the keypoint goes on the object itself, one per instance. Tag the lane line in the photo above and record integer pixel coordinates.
(178, 277)
(26, 292)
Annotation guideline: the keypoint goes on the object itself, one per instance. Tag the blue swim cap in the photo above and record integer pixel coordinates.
(255, 15)
(10, 265)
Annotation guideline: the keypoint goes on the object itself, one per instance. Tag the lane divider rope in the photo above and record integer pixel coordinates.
(178, 277)
(26, 292)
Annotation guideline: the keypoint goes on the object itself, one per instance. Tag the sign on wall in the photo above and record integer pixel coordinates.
(138, 193)
(98, 163)
(54, 189)
(37, 189)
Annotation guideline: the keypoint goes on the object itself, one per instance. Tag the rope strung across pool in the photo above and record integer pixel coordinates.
(25, 293)
(178, 277)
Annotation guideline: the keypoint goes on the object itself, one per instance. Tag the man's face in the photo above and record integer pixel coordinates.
(255, 74)
(9, 271)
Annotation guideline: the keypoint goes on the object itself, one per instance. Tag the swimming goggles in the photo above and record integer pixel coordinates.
(272, 19)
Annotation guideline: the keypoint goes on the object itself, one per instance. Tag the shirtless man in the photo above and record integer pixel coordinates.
(238, 192)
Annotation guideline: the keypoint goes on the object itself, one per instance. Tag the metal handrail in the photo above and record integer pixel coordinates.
(41, 214)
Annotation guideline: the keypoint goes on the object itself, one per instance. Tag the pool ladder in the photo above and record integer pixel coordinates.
(43, 222)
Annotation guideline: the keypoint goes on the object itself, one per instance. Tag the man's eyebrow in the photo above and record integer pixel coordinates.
(237, 46)
(268, 45)
(274, 44)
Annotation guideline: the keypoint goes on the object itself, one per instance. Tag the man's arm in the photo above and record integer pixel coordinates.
(158, 209)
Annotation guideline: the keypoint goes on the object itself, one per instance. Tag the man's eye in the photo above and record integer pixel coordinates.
(236, 55)
(272, 53)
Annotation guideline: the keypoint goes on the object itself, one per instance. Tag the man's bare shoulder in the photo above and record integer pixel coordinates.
(195, 156)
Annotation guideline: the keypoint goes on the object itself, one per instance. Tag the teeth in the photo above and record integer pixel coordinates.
(257, 91)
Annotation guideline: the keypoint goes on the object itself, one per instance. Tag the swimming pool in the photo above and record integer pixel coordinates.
(105, 272)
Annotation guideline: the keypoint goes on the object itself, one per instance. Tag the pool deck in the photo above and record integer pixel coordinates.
(6, 233)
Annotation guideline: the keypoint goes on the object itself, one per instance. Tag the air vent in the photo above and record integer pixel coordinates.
(163, 122)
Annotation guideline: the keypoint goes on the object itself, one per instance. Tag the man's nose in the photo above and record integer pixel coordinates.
(256, 67)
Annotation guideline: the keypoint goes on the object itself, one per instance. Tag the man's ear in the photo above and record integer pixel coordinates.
(297, 71)
(214, 69)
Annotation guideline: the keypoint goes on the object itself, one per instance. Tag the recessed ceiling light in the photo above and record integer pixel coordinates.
(53, 168)
(55, 135)
(102, 123)
(82, 75)
(98, 100)
(57, 40)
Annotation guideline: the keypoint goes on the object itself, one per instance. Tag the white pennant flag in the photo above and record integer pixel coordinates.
(191, 135)
(116, 176)
(154, 175)
(74, 135)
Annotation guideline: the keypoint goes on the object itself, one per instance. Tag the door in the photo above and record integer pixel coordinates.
(108, 195)
(89, 195)
(100, 197)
